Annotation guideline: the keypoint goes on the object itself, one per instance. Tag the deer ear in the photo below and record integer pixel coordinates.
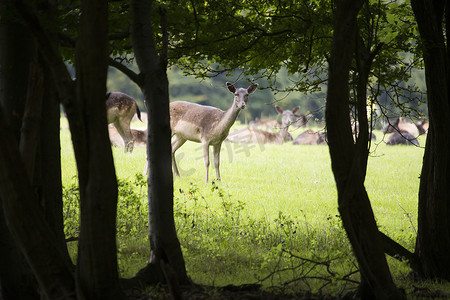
(231, 87)
(252, 88)
(295, 109)
(279, 109)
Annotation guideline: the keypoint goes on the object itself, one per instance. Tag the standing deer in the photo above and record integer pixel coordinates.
(205, 124)
(249, 135)
(120, 109)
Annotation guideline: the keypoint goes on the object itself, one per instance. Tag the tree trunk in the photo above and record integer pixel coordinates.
(433, 235)
(166, 252)
(20, 200)
(49, 164)
(16, 277)
(97, 271)
(348, 162)
(40, 142)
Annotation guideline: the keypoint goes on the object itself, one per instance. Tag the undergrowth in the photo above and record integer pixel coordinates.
(228, 245)
(271, 221)
(284, 253)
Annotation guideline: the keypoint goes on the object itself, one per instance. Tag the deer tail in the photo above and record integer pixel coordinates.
(138, 112)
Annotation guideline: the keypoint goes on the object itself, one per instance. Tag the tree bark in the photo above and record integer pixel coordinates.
(60, 77)
(21, 101)
(97, 275)
(34, 237)
(48, 166)
(97, 271)
(348, 165)
(166, 252)
(16, 277)
(433, 235)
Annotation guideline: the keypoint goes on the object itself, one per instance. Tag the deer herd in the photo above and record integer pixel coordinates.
(210, 126)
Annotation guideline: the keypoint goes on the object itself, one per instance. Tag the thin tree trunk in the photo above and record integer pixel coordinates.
(348, 162)
(433, 235)
(97, 270)
(166, 251)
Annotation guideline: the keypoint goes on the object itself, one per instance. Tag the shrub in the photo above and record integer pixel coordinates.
(132, 210)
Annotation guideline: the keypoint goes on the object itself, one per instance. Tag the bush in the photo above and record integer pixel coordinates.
(132, 210)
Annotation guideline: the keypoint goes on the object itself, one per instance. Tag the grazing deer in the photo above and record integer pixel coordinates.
(205, 124)
(120, 109)
(139, 137)
(249, 135)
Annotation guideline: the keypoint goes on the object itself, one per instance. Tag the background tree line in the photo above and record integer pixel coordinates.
(356, 48)
(210, 91)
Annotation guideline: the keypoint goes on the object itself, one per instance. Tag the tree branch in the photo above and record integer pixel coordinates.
(135, 77)
(397, 251)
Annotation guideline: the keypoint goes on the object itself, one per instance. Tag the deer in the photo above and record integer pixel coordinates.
(267, 124)
(402, 138)
(402, 132)
(205, 124)
(302, 119)
(401, 125)
(120, 109)
(249, 135)
(310, 137)
(139, 137)
(422, 125)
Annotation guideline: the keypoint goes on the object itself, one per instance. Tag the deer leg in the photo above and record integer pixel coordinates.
(216, 149)
(177, 143)
(145, 168)
(206, 157)
(125, 133)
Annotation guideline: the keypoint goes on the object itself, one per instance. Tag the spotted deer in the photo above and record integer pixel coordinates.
(205, 124)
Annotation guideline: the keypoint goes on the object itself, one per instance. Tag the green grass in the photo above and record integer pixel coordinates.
(274, 203)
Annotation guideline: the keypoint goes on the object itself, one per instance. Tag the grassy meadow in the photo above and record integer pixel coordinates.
(273, 217)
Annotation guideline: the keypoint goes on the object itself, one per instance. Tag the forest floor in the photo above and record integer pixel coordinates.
(230, 292)
(255, 292)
